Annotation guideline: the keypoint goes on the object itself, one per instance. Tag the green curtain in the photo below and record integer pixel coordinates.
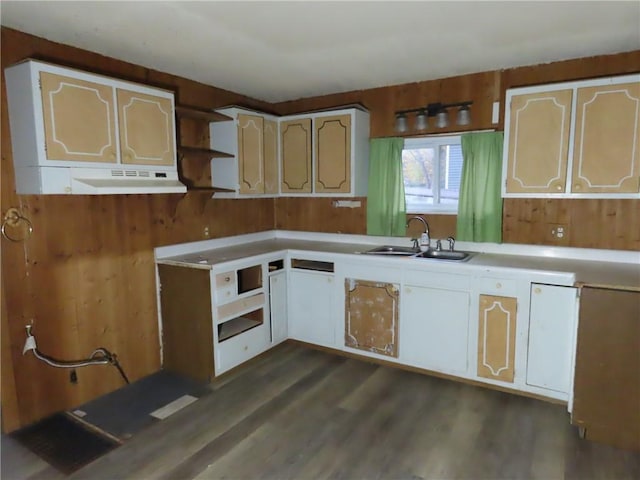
(386, 210)
(480, 203)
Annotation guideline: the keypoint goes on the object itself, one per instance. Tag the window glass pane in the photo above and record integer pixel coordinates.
(432, 171)
(418, 169)
(451, 172)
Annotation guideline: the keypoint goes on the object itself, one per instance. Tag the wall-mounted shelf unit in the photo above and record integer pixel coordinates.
(204, 152)
(198, 155)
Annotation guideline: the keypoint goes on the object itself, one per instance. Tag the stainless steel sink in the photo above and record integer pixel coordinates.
(455, 255)
(392, 250)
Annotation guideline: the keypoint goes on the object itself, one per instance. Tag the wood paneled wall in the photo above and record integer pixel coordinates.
(86, 276)
(610, 224)
(320, 215)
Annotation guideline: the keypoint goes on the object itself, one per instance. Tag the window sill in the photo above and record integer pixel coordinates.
(432, 212)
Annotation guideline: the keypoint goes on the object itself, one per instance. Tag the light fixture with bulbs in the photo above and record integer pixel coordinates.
(437, 110)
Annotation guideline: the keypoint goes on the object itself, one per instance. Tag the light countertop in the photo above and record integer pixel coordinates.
(586, 271)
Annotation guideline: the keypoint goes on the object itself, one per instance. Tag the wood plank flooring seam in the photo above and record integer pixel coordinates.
(199, 462)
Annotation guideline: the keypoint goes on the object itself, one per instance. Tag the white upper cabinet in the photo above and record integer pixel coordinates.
(574, 139)
(77, 132)
(325, 153)
(312, 154)
(251, 141)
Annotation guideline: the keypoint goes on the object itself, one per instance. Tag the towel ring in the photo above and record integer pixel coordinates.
(12, 218)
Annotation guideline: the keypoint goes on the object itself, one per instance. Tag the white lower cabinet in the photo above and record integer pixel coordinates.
(434, 328)
(551, 336)
(278, 306)
(311, 313)
(510, 330)
(240, 348)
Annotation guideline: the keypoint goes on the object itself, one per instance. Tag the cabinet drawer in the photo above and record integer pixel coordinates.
(240, 306)
(224, 295)
(445, 281)
(225, 280)
(225, 287)
(498, 286)
(239, 349)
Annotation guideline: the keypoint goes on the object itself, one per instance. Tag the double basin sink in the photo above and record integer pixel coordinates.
(455, 255)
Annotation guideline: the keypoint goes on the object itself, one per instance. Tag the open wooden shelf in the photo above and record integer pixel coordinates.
(203, 152)
(199, 114)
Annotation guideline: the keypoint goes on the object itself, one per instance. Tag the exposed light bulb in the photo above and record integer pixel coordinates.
(463, 117)
(442, 119)
(421, 120)
(401, 123)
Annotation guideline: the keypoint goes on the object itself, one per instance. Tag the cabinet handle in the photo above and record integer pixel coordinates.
(498, 285)
(112, 156)
(577, 186)
(227, 279)
(559, 188)
(537, 290)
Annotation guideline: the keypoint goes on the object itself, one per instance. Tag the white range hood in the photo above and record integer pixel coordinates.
(96, 181)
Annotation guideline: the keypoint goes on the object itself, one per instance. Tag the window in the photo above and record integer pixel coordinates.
(432, 169)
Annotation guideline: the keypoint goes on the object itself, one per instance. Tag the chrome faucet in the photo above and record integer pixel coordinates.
(452, 243)
(426, 230)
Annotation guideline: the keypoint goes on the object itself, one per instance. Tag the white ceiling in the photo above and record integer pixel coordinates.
(276, 51)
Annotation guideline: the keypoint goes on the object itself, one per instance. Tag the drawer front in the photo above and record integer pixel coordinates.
(224, 295)
(445, 281)
(225, 280)
(499, 286)
(241, 348)
(240, 306)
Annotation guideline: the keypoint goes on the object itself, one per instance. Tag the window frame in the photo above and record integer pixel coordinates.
(434, 141)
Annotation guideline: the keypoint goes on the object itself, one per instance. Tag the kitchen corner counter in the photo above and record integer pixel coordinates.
(587, 272)
(613, 269)
(207, 258)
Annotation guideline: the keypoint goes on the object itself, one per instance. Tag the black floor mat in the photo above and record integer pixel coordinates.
(64, 442)
(125, 411)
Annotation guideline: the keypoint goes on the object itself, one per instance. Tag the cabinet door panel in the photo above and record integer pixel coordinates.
(295, 144)
(539, 142)
(278, 307)
(606, 149)
(251, 153)
(435, 329)
(607, 384)
(185, 299)
(371, 322)
(333, 154)
(270, 157)
(310, 308)
(79, 119)
(551, 324)
(147, 131)
(496, 337)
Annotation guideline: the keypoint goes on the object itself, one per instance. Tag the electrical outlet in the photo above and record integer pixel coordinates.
(73, 376)
(206, 232)
(558, 233)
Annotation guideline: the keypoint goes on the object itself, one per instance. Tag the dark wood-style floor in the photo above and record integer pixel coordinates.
(304, 414)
